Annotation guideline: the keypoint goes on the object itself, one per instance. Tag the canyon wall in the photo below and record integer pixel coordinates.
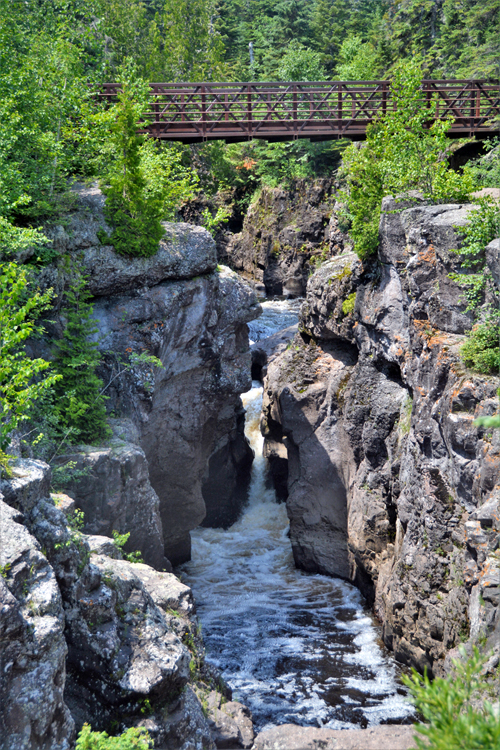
(390, 483)
(185, 416)
(85, 634)
(285, 233)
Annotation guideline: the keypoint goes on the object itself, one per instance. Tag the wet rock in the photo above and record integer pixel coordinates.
(226, 480)
(265, 350)
(183, 727)
(291, 737)
(230, 723)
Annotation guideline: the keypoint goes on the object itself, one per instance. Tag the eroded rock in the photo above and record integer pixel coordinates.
(373, 398)
(33, 714)
(284, 233)
(116, 494)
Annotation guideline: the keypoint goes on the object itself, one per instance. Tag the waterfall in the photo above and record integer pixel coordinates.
(295, 647)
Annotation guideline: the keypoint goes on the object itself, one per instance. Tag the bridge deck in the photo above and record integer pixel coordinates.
(196, 112)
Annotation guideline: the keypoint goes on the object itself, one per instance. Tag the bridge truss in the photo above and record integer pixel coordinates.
(196, 112)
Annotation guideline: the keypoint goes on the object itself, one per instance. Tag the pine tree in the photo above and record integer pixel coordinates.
(79, 403)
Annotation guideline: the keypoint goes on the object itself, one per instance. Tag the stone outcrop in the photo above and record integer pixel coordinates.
(185, 251)
(191, 314)
(230, 722)
(291, 737)
(89, 637)
(115, 493)
(33, 715)
(197, 328)
(285, 233)
(390, 483)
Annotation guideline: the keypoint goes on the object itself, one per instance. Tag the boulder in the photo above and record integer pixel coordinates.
(115, 493)
(230, 722)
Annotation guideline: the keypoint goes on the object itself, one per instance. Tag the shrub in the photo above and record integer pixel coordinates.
(452, 723)
(349, 303)
(483, 226)
(136, 224)
(79, 401)
(401, 154)
(21, 379)
(145, 181)
(481, 351)
(133, 739)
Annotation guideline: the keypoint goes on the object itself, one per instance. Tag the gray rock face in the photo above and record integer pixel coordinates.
(373, 403)
(116, 493)
(185, 251)
(197, 328)
(231, 724)
(493, 260)
(88, 638)
(33, 715)
(284, 233)
(121, 642)
(192, 316)
(227, 477)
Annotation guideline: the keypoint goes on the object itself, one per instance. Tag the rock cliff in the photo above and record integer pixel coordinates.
(285, 233)
(390, 483)
(86, 636)
(184, 437)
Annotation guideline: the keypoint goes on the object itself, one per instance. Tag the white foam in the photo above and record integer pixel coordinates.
(295, 647)
(276, 315)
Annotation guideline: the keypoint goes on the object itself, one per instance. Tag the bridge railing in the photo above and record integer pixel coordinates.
(238, 111)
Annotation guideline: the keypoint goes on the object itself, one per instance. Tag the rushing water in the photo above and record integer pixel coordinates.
(276, 314)
(294, 647)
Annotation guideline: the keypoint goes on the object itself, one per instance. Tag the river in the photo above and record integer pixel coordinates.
(295, 647)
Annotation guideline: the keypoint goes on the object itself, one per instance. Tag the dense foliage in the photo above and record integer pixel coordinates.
(454, 38)
(55, 54)
(449, 707)
(481, 350)
(21, 378)
(79, 402)
(132, 739)
(401, 154)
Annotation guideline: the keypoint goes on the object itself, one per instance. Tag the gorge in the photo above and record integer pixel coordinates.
(368, 424)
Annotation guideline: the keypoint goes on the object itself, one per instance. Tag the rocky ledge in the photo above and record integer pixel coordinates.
(179, 441)
(86, 636)
(390, 484)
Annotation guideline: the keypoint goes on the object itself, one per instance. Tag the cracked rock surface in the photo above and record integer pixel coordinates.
(390, 483)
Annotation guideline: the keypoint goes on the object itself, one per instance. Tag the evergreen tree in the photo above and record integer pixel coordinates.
(134, 215)
(79, 403)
